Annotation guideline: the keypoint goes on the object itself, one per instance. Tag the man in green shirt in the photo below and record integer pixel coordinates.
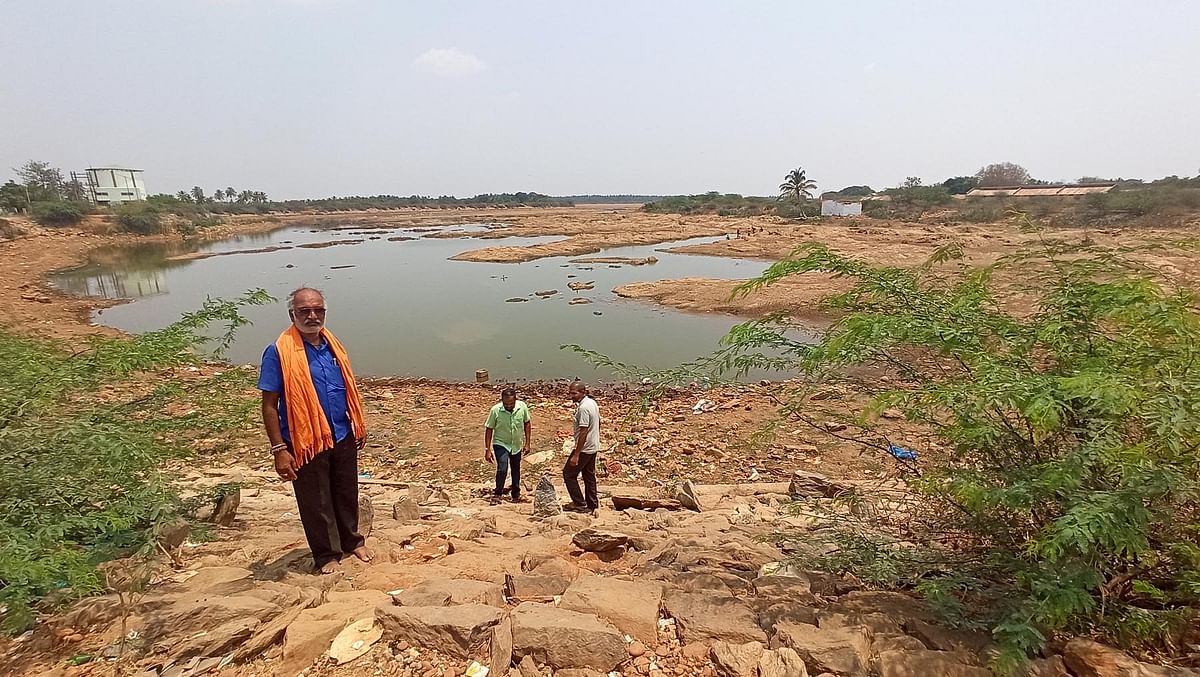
(505, 435)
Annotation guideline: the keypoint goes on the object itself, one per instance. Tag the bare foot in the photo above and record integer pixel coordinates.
(329, 567)
(362, 553)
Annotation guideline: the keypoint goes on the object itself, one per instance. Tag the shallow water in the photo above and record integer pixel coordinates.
(403, 309)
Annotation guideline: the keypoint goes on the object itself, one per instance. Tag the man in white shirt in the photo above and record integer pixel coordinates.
(583, 458)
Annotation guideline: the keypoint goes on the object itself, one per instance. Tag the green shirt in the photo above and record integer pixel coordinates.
(508, 427)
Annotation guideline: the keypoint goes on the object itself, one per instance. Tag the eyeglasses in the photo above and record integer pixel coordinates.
(309, 311)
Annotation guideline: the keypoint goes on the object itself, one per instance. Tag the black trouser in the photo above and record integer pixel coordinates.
(504, 459)
(571, 473)
(327, 495)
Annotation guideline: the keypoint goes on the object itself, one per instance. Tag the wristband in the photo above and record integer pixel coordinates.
(278, 447)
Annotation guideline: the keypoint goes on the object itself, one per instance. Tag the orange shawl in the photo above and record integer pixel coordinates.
(307, 424)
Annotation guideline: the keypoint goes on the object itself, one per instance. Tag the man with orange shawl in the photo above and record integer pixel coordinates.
(313, 414)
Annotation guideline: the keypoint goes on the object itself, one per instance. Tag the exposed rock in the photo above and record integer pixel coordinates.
(501, 647)
(704, 616)
(581, 286)
(737, 660)
(366, 515)
(814, 485)
(217, 640)
(1047, 667)
(528, 667)
(270, 633)
(517, 299)
(545, 499)
(774, 613)
(842, 651)
(631, 606)
(406, 510)
(597, 540)
(625, 502)
(446, 592)
(186, 615)
(426, 495)
(686, 495)
(580, 301)
(566, 639)
(783, 662)
(1085, 658)
(535, 587)
(894, 604)
(172, 534)
(940, 638)
(878, 623)
(546, 294)
(922, 663)
(226, 507)
(896, 642)
(305, 640)
(461, 631)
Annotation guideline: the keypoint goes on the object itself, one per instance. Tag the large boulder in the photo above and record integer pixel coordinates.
(704, 616)
(598, 540)
(632, 606)
(782, 662)
(189, 614)
(462, 631)
(737, 660)
(842, 651)
(1086, 658)
(446, 592)
(562, 638)
(922, 663)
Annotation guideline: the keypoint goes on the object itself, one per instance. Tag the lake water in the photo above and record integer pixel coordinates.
(403, 309)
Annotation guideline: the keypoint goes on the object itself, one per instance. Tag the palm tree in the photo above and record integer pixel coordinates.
(219, 195)
(198, 195)
(797, 186)
(230, 193)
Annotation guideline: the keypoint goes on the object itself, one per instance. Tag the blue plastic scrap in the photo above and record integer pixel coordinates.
(902, 453)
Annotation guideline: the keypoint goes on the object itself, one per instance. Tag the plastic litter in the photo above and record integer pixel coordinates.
(902, 453)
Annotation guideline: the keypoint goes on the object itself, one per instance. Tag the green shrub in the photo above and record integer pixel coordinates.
(141, 218)
(1067, 495)
(79, 473)
(59, 212)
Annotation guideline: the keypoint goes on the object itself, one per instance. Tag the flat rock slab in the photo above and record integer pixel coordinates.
(644, 503)
(462, 631)
(632, 606)
(538, 587)
(564, 639)
(702, 616)
(447, 592)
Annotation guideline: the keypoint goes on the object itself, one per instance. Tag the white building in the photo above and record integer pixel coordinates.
(114, 185)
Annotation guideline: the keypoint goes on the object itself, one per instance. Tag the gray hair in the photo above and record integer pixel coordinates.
(291, 298)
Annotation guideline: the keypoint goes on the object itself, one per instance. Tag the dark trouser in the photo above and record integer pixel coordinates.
(327, 495)
(503, 460)
(571, 473)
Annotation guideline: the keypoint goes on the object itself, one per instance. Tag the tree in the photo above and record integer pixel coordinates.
(43, 181)
(1003, 174)
(960, 185)
(1092, 179)
(230, 193)
(12, 197)
(184, 196)
(912, 182)
(198, 195)
(219, 195)
(797, 186)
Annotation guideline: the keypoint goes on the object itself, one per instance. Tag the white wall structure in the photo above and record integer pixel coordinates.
(114, 185)
(836, 208)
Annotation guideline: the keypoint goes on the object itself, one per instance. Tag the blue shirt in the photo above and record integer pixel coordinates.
(327, 380)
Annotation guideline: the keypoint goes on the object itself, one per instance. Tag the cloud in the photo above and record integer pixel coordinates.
(449, 63)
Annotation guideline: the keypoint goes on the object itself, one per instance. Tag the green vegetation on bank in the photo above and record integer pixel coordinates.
(80, 462)
(1067, 499)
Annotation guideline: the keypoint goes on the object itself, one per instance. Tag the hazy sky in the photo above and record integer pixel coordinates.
(311, 98)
